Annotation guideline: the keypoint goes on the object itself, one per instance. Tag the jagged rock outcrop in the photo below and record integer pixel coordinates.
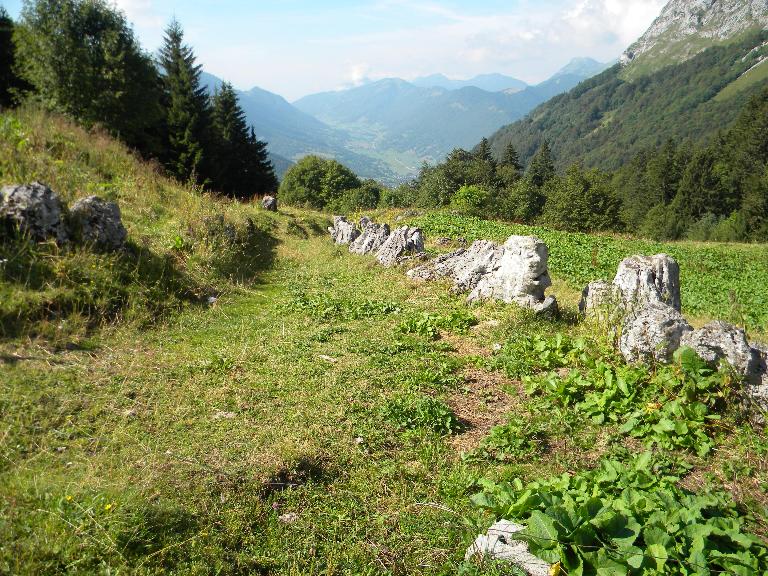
(719, 340)
(35, 210)
(686, 27)
(402, 242)
(464, 267)
(372, 238)
(652, 333)
(520, 274)
(514, 272)
(499, 543)
(645, 279)
(97, 223)
(269, 203)
(343, 231)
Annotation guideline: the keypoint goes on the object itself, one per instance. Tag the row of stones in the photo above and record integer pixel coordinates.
(37, 212)
(515, 272)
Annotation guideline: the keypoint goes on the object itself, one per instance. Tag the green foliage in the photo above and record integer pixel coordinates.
(243, 169)
(672, 407)
(429, 325)
(542, 167)
(420, 412)
(470, 199)
(315, 182)
(628, 518)
(10, 83)
(582, 201)
(82, 58)
(514, 440)
(188, 153)
(366, 197)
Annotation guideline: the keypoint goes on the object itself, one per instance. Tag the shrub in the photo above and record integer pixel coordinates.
(416, 411)
(314, 182)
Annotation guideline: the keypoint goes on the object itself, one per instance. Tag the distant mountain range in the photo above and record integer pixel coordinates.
(388, 128)
(686, 78)
(487, 82)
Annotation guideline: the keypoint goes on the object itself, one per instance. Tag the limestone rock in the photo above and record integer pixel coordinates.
(652, 333)
(35, 209)
(719, 340)
(402, 242)
(757, 379)
(269, 203)
(644, 279)
(98, 223)
(520, 274)
(343, 231)
(601, 300)
(364, 221)
(464, 267)
(373, 237)
(500, 544)
(546, 308)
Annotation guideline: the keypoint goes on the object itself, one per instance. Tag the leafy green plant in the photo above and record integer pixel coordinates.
(628, 518)
(429, 325)
(515, 439)
(420, 412)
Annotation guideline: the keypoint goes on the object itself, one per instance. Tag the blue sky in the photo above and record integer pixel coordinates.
(297, 47)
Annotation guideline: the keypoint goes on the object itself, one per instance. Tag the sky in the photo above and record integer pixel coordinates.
(299, 47)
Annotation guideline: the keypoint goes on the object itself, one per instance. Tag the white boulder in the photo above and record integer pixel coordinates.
(343, 231)
(35, 210)
(519, 275)
(499, 544)
(400, 243)
(652, 333)
(644, 279)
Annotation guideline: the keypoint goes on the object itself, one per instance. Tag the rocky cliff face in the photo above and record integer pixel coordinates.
(686, 27)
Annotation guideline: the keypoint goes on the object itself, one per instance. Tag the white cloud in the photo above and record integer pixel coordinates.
(142, 13)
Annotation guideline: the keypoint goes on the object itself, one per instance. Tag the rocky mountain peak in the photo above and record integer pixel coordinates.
(686, 27)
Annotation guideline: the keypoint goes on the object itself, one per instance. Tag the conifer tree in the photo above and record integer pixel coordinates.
(188, 113)
(261, 172)
(484, 151)
(231, 142)
(511, 158)
(542, 168)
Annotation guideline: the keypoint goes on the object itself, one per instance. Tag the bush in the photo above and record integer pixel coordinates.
(471, 200)
(314, 182)
(363, 198)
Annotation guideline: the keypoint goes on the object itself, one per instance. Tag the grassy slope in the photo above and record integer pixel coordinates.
(175, 447)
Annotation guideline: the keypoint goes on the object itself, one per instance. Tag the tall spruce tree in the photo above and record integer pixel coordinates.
(542, 168)
(243, 166)
(188, 110)
(261, 172)
(511, 158)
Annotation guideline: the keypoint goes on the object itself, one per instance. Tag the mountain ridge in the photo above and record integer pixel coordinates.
(686, 27)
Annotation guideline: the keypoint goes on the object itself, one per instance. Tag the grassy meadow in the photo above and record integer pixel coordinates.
(236, 395)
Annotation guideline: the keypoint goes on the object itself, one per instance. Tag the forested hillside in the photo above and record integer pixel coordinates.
(605, 121)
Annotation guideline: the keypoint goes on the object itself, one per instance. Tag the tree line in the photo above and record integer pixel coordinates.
(716, 191)
(81, 58)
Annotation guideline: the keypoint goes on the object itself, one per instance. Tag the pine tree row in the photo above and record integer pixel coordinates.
(81, 58)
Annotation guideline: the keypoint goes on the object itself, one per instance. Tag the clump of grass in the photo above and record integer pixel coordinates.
(420, 412)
